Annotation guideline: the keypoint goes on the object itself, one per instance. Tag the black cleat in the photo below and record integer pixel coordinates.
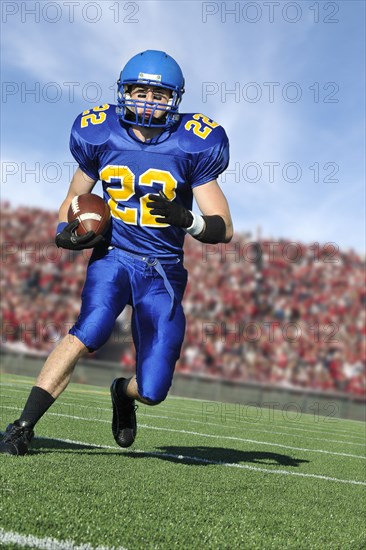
(124, 426)
(17, 438)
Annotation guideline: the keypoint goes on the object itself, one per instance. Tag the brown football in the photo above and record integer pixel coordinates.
(92, 212)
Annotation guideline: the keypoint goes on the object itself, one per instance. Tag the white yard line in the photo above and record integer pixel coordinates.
(226, 425)
(232, 438)
(231, 426)
(288, 425)
(198, 460)
(48, 543)
(213, 436)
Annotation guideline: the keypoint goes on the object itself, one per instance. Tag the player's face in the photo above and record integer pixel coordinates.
(151, 95)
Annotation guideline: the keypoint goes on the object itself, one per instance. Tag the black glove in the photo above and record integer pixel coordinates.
(68, 238)
(169, 211)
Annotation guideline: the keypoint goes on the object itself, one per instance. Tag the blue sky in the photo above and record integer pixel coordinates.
(295, 115)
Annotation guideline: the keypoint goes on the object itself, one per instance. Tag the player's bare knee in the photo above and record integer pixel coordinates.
(77, 346)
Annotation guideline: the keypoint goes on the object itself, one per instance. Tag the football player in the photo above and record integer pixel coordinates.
(152, 161)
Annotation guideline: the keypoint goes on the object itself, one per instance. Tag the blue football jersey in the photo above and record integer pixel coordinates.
(192, 152)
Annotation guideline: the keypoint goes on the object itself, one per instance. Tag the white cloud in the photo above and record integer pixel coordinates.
(221, 53)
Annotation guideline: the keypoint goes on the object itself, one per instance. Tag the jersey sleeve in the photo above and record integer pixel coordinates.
(211, 162)
(83, 152)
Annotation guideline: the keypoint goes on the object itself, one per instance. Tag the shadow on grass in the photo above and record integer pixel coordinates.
(207, 455)
(194, 455)
(42, 445)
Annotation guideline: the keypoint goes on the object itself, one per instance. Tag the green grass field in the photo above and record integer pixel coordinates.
(200, 475)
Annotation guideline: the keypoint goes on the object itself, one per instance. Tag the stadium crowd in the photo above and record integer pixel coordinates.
(264, 311)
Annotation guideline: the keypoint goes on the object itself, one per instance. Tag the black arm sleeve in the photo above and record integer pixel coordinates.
(214, 231)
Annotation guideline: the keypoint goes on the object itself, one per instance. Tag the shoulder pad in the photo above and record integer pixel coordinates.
(94, 125)
(198, 132)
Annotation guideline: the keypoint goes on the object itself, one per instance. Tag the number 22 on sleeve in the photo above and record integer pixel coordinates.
(197, 128)
(95, 117)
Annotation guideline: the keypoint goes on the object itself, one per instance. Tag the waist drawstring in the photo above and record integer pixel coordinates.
(156, 264)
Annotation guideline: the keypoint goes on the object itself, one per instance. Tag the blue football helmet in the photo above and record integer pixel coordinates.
(153, 68)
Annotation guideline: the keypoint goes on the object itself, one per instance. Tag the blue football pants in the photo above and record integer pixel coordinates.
(155, 290)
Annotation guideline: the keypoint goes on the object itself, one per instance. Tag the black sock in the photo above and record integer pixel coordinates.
(38, 402)
(122, 388)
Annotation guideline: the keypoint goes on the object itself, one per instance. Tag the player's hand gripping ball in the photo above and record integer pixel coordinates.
(89, 219)
(92, 212)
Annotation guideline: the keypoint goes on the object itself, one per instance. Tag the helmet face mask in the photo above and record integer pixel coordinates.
(151, 69)
(143, 112)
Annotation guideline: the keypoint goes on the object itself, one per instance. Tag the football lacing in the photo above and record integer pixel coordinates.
(75, 205)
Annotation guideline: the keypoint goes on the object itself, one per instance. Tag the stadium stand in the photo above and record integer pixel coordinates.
(276, 312)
